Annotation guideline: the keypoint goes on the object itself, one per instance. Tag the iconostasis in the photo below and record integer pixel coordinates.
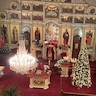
(64, 27)
(72, 38)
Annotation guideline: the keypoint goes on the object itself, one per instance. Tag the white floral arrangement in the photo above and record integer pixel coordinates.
(66, 58)
(59, 62)
(38, 72)
(73, 60)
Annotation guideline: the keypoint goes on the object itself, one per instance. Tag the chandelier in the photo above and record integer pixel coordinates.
(22, 61)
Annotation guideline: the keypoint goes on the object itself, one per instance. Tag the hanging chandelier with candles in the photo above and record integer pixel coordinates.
(22, 61)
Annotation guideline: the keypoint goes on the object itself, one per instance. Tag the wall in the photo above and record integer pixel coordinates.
(78, 1)
(5, 4)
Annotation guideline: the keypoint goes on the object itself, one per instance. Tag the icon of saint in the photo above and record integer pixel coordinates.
(89, 38)
(37, 36)
(4, 32)
(15, 34)
(66, 38)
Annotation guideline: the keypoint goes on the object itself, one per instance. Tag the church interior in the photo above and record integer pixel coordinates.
(47, 47)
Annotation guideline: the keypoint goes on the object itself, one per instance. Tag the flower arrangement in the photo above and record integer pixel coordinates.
(65, 60)
(60, 62)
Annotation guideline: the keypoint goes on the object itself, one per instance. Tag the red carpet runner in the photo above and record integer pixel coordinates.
(22, 83)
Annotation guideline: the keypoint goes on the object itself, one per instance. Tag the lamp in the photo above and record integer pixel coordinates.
(22, 62)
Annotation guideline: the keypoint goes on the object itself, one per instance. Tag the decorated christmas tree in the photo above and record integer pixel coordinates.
(81, 70)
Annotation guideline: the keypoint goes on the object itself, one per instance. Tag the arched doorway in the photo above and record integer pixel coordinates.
(77, 36)
(52, 38)
(26, 30)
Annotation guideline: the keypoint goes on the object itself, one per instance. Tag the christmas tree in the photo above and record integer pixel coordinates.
(81, 70)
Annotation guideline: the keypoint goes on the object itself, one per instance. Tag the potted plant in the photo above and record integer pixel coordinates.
(12, 91)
